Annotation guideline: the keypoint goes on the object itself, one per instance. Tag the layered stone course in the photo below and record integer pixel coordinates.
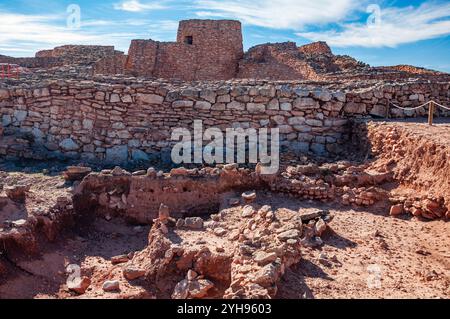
(104, 59)
(133, 121)
(205, 50)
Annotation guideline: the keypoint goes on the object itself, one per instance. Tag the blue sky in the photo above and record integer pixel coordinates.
(378, 32)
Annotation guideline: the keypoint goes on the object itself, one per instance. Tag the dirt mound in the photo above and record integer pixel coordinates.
(419, 157)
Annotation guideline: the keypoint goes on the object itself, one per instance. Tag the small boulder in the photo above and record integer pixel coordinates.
(133, 273)
(191, 275)
(249, 197)
(111, 286)
(164, 213)
(220, 231)
(79, 285)
(248, 211)
(263, 258)
(397, 210)
(195, 223)
(290, 234)
(320, 227)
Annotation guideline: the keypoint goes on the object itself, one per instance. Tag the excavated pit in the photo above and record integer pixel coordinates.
(318, 229)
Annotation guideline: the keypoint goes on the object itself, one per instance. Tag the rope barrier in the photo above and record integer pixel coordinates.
(444, 107)
(409, 108)
(418, 107)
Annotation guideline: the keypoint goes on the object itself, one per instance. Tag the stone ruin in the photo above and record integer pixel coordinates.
(213, 50)
(213, 232)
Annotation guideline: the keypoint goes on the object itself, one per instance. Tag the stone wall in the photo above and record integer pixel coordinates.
(109, 60)
(275, 61)
(78, 54)
(112, 64)
(205, 50)
(121, 122)
(31, 63)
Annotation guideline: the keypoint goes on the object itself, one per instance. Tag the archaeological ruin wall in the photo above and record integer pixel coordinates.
(117, 123)
(105, 59)
(205, 50)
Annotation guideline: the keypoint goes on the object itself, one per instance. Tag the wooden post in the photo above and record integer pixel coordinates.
(430, 113)
(388, 109)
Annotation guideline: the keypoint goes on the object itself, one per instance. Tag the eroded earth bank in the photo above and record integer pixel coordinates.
(370, 225)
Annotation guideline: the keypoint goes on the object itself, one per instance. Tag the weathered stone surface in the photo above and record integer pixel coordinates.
(79, 285)
(111, 286)
(133, 273)
(193, 223)
(69, 145)
(290, 234)
(149, 98)
(117, 154)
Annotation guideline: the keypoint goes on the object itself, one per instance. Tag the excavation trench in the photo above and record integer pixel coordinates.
(191, 233)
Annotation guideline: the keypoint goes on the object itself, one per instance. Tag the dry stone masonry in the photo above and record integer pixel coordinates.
(121, 122)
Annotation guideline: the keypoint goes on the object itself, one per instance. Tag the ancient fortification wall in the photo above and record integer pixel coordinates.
(213, 50)
(205, 50)
(134, 121)
(73, 55)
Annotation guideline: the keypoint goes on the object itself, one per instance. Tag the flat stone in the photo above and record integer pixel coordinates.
(133, 273)
(306, 217)
(119, 259)
(149, 98)
(202, 105)
(290, 234)
(76, 173)
(19, 223)
(182, 104)
(264, 258)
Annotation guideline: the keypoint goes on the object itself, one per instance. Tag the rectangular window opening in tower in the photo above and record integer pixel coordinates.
(189, 40)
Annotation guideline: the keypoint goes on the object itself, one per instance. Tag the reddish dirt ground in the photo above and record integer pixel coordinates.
(412, 258)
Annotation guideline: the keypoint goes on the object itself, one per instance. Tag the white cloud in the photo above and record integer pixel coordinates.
(23, 33)
(278, 14)
(137, 6)
(397, 26)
